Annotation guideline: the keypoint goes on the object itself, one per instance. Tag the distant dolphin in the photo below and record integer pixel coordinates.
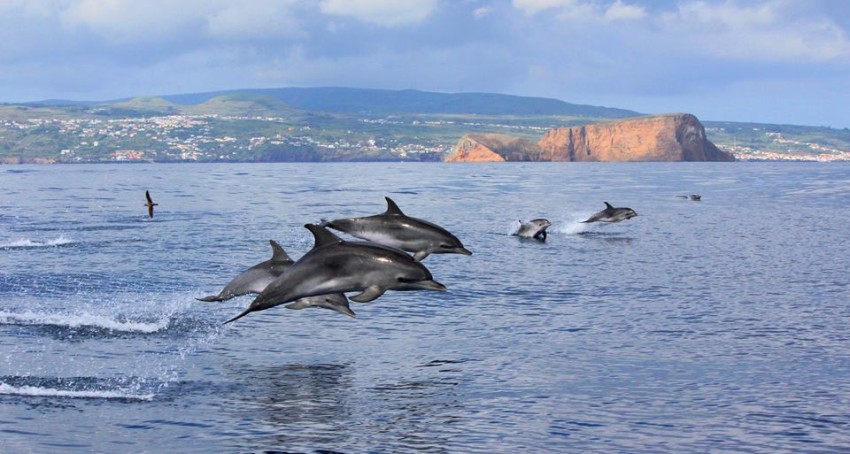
(611, 214)
(694, 197)
(535, 228)
(393, 228)
(337, 266)
(259, 276)
(149, 204)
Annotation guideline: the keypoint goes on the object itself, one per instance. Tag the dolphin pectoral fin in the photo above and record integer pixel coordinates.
(371, 292)
(419, 255)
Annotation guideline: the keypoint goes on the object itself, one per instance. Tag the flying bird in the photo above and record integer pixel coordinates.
(149, 204)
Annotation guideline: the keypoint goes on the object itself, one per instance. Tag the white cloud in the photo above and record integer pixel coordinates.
(387, 13)
(124, 21)
(583, 10)
(536, 6)
(769, 31)
(264, 19)
(481, 13)
(621, 11)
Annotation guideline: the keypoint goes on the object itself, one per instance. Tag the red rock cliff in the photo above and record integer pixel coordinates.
(494, 148)
(676, 137)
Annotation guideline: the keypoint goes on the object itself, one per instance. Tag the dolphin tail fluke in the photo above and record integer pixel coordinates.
(244, 313)
(211, 299)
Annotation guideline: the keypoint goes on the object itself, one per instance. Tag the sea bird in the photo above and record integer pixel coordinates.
(149, 204)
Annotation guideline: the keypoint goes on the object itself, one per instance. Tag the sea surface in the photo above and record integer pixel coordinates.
(721, 325)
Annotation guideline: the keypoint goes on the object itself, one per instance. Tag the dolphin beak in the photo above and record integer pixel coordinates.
(463, 251)
(430, 285)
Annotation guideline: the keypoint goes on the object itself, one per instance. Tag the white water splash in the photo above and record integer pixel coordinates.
(37, 391)
(572, 225)
(83, 320)
(28, 243)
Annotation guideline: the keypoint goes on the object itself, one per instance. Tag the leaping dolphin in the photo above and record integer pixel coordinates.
(259, 276)
(149, 203)
(337, 266)
(535, 228)
(395, 229)
(611, 214)
(256, 278)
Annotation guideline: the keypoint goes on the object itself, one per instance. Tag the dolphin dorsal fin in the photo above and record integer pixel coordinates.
(392, 208)
(322, 236)
(278, 254)
(608, 205)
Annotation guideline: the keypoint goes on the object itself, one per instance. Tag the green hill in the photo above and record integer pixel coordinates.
(390, 102)
(241, 104)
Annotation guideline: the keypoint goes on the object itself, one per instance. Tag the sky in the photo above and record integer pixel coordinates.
(776, 61)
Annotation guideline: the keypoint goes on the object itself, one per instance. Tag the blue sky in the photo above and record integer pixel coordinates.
(778, 61)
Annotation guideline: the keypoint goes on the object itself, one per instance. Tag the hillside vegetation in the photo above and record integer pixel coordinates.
(333, 124)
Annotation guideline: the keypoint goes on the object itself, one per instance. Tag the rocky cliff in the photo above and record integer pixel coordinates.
(494, 148)
(676, 137)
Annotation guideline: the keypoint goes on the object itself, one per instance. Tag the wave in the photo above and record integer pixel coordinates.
(36, 391)
(567, 226)
(26, 243)
(84, 321)
(125, 388)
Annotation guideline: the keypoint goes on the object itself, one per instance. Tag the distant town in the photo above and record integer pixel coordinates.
(265, 126)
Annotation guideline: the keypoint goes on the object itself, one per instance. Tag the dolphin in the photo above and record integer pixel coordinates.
(259, 276)
(337, 266)
(694, 197)
(611, 214)
(535, 228)
(149, 203)
(256, 278)
(395, 229)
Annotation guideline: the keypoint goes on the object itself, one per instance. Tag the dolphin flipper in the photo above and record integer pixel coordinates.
(371, 292)
(419, 255)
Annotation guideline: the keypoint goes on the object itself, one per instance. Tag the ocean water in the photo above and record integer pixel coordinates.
(721, 325)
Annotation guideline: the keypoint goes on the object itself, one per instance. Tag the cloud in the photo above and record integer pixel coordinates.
(263, 20)
(583, 10)
(620, 11)
(387, 13)
(127, 21)
(768, 31)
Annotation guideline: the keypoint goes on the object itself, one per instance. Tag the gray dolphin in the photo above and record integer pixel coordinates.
(535, 228)
(256, 278)
(395, 229)
(259, 276)
(337, 266)
(611, 214)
